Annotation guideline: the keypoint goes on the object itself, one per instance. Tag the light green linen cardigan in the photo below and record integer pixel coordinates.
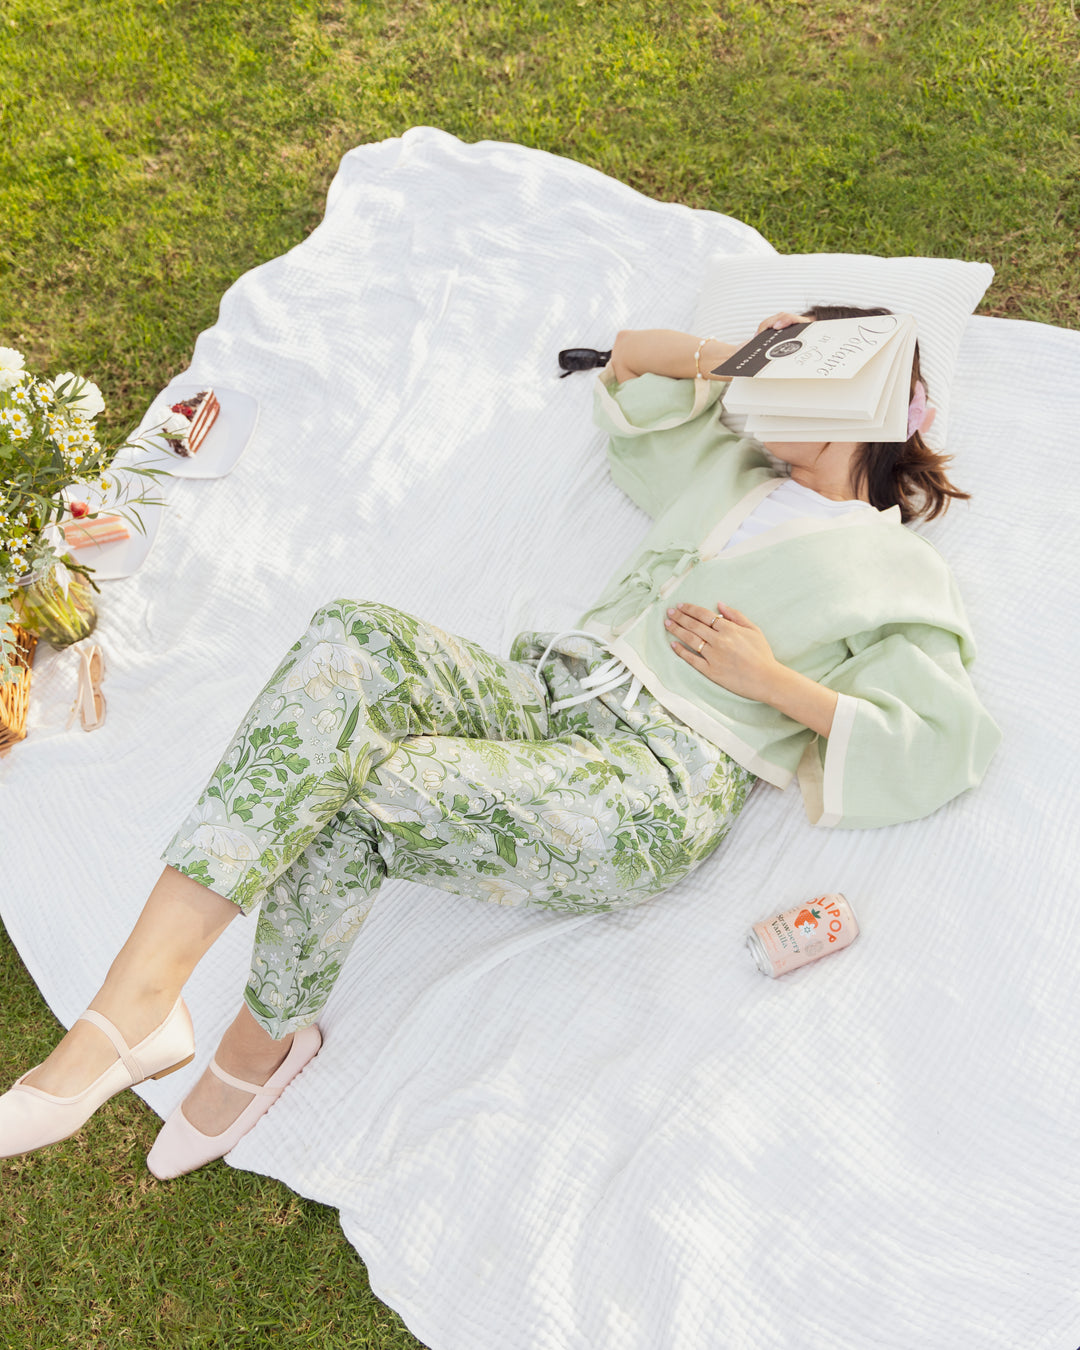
(857, 602)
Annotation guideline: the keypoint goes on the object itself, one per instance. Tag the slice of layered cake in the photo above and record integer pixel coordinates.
(107, 529)
(189, 420)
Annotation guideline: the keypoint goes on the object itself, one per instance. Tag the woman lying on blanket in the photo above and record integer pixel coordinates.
(769, 626)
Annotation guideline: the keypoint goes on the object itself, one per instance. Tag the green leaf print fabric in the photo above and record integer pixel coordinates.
(383, 746)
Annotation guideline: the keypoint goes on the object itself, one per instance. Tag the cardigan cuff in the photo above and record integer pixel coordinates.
(822, 784)
(605, 380)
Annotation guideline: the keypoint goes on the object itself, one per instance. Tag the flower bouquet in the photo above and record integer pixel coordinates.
(49, 455)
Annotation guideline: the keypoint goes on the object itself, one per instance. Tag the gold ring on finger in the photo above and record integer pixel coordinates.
(702, 647)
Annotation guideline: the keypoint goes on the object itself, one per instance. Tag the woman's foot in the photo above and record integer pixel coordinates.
(138, 1027)
(223, 1107)
(246, 1052)
(32, 1117)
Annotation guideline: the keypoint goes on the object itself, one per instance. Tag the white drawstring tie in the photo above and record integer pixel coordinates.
(603, 679)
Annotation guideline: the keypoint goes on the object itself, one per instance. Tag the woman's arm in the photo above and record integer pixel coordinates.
(663, 351)
(733, 652)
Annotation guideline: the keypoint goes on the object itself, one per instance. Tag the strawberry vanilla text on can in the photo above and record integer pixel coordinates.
(802, 934)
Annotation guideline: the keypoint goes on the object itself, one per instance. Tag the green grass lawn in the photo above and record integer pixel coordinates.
(154, 150)
(97, 1253)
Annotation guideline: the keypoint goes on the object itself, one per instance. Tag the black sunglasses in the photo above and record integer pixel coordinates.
(581, 358)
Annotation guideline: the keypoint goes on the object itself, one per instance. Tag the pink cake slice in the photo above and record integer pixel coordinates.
(101, 530)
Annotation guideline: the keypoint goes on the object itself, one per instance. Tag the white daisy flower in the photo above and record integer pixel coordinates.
(19, 423)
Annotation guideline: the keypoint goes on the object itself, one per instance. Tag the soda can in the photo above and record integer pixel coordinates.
(803, 934)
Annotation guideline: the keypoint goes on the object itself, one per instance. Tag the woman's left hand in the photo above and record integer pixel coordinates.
(727, 647)
(783, 320)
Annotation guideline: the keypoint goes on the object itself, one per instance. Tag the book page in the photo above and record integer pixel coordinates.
(859, 396)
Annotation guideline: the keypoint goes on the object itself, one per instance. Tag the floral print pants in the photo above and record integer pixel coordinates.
(385, 747)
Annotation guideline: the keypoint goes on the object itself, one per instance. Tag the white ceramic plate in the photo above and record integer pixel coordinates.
(225, 442)
(119, 559)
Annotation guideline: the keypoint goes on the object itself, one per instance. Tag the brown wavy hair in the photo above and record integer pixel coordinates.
(907, 473)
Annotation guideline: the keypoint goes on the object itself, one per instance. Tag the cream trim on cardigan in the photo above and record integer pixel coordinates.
(822, 786)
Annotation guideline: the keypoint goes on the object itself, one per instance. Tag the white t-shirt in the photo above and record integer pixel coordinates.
(790, 501)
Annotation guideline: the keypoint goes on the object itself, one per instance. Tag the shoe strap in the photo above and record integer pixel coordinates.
(121, 1046)
(259, 1089)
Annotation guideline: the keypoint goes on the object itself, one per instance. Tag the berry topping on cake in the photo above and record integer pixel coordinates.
(189, 420)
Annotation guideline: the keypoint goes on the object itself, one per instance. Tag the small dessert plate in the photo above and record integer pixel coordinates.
(225, 442)
(123, 556)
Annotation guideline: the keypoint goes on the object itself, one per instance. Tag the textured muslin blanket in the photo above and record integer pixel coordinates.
(549, 1133)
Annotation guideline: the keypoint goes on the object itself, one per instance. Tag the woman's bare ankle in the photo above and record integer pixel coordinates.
(248, 1051)
(135, 1009)
(85, 1052)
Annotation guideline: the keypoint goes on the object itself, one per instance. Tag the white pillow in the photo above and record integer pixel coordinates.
(940, 292)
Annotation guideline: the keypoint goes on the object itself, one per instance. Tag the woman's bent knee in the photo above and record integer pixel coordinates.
(347, 610)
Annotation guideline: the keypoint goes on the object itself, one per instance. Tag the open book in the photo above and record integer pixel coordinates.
(828, 380)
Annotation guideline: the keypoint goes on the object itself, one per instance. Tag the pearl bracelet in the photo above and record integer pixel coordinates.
(697, 356)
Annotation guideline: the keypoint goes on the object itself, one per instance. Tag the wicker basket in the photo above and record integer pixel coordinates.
(15, 696)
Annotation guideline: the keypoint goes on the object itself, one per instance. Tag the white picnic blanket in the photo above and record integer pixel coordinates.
(549, 1133)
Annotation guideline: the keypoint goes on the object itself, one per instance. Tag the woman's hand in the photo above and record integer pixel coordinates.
(735, 654)
(783, 320)
(726, 647)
